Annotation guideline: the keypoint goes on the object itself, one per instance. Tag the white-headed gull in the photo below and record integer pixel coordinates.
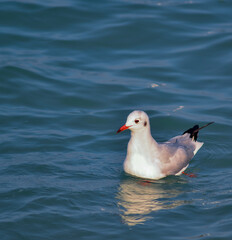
(151, 160)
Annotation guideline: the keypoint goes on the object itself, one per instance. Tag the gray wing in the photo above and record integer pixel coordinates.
(176, 154)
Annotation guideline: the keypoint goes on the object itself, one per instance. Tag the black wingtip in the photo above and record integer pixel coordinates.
(193, 133)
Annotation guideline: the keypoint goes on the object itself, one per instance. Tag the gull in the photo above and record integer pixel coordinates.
(149, 159)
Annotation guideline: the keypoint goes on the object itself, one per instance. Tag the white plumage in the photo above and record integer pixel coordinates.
(151, 160)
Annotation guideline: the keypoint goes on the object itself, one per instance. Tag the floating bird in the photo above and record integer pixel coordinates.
(151, 160)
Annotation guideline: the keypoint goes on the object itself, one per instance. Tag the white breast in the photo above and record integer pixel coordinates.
(138, 165)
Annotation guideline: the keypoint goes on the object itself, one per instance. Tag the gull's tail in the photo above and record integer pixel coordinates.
(194, 131)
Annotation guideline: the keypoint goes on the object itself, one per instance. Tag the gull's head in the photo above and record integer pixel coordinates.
(136, 121)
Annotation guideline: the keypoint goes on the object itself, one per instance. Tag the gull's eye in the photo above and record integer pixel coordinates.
(136, 121)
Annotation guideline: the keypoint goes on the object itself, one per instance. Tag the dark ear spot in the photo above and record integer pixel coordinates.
(145, 124)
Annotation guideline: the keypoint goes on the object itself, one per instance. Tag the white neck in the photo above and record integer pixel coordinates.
(141, 140)
(141, 159)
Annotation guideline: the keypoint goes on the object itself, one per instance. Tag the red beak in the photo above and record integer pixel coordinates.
(124, 127)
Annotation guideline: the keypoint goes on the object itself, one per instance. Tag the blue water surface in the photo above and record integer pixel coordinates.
(70, 73)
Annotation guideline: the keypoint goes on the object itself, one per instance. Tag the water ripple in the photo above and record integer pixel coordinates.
(71, 72)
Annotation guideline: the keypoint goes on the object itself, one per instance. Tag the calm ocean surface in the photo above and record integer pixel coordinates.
(70, 73)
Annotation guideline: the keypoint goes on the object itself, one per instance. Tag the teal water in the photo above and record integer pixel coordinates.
(70, 73)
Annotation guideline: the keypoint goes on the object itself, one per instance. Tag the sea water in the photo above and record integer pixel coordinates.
(70, 73)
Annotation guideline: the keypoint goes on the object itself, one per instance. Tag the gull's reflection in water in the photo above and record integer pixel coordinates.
(138, 198)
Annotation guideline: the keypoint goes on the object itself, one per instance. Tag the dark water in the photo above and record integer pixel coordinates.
(70, 73)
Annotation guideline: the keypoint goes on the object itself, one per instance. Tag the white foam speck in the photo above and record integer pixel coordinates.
(179, 108)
